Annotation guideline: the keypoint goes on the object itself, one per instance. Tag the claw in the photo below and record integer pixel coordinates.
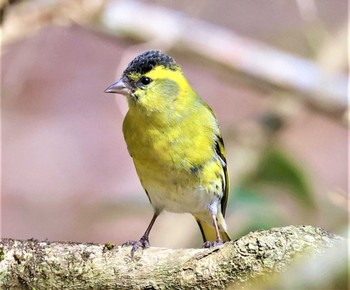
(143, 243)
(209, 244)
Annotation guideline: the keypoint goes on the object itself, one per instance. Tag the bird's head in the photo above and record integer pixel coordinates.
(152, 80)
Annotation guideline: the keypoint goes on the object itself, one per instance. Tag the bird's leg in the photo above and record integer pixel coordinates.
(218, 236)
(144, 241)
(218, 242)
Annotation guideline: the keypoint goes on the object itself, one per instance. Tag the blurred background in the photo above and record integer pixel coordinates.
(275, 73)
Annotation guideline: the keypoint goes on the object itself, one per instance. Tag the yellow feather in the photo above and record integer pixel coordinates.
(174, 139)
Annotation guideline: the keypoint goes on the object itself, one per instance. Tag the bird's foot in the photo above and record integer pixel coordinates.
(209, 244)
(143, 243)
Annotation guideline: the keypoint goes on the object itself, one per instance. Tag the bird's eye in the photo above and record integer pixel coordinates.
(144, 81)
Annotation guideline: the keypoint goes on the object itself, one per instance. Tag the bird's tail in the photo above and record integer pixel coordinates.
(209, 234)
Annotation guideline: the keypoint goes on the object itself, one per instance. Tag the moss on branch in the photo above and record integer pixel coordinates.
(259, 255)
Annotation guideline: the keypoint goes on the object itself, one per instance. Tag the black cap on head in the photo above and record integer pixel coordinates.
(148, 60)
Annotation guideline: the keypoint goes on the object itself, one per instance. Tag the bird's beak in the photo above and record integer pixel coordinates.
(120, 87)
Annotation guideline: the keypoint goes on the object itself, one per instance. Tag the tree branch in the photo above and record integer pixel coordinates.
(60, 265)
(262, 63)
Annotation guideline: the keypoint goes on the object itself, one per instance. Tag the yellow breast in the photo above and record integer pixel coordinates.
(174, 154)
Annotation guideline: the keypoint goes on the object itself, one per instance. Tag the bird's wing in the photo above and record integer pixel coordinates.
(220, 151)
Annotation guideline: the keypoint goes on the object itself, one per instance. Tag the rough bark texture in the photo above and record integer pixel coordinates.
(32, 264)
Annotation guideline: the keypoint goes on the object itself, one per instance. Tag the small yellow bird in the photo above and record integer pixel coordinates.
(174, 139)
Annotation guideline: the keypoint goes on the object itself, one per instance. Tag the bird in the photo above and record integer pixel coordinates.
(174, 139)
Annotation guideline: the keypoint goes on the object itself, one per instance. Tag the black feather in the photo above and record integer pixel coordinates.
(148, 60)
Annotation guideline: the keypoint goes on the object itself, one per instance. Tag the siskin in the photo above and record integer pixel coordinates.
(174, 139)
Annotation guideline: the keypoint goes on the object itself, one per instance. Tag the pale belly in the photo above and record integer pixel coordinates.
(174, 189)
(181, 199)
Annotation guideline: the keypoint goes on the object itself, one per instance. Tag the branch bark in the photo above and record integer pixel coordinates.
(32, 264)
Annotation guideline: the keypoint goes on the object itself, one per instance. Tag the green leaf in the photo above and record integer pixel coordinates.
(278, 169)
(258, 210)
(242, 195)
